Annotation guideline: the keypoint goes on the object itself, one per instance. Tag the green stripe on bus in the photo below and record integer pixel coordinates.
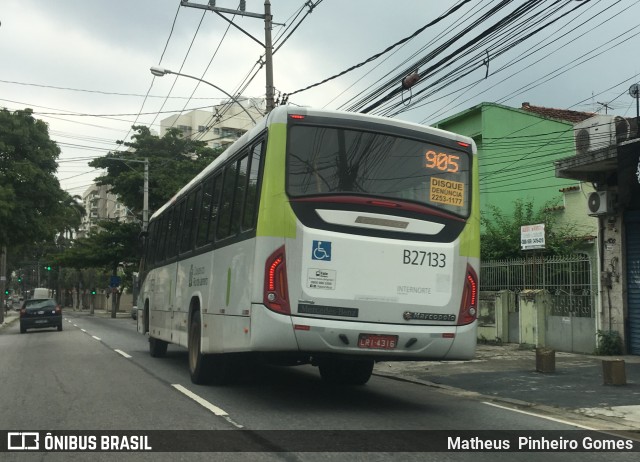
(470, 236)
(228, 285)
(275, 216)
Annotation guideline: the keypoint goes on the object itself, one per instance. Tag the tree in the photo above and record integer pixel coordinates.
(31, 200)
(500, 237)
(73, 211)
(173, 162)
(108, 246)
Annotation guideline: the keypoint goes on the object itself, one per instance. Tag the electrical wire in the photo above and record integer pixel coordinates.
(389, 48)
(166, 45)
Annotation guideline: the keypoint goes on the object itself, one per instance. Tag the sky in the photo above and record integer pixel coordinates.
(83, 65)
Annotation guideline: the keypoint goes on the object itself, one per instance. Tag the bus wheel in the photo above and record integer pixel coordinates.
(198, 363)
(157, 347)
(205, 368)
(346, 372)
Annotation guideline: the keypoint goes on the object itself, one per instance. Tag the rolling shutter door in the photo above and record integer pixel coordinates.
(632, 223)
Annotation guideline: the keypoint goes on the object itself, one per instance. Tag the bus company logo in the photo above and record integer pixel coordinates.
(409, 315)
(23, 441)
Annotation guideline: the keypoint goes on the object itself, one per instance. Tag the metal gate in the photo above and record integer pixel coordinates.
(632, 224)
(570, 323)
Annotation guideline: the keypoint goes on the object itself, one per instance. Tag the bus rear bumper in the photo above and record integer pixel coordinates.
(316, 337)
(413, 342)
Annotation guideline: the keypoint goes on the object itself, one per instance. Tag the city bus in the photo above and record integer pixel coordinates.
(319, 237)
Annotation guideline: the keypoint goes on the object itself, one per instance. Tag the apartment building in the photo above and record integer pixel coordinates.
(100, 205)
(220, 126)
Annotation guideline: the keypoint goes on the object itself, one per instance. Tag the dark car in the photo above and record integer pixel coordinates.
(39, 313)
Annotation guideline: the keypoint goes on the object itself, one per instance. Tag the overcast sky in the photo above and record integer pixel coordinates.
(90, 57)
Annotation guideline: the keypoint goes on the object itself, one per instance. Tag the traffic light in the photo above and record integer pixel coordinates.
(93, 291)
(6, 291)
(19, 280)
(48, 268)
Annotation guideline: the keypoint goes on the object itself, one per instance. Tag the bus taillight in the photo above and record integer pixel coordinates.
(469, 306)
(275, 283)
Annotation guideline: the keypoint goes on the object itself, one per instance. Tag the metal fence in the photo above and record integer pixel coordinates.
(568, 279)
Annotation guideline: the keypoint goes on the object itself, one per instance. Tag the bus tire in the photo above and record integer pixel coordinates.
(205, 369)
(346, 372)
(157, 347)
(198, 363)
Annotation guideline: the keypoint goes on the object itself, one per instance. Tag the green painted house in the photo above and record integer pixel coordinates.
(517, 148)
(516, 151)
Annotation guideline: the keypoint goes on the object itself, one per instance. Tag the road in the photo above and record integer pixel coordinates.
(97, 375)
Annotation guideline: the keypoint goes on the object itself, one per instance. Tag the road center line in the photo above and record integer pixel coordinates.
(553, 419)
(122, 353)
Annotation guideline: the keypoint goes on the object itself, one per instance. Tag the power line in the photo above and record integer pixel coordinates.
(391, 47)
(166, 45)
(516, 35)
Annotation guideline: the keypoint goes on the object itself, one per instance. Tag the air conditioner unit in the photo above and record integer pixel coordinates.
(600, 203)
(600, 132)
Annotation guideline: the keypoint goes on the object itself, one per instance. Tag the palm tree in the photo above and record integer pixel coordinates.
(73, 211)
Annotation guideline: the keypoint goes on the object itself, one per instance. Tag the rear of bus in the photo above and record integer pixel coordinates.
(380, 250)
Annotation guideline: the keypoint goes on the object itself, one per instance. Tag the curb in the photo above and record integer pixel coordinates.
(576, 417)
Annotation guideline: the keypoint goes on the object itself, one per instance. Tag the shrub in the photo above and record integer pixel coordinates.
(609, 343)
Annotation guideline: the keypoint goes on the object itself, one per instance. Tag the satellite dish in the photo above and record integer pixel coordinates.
(634, 91)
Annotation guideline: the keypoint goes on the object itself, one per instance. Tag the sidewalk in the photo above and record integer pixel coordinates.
(508, 374)
(9, 317)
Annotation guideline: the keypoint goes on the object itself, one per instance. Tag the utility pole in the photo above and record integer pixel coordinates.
(145, 188)
(268, 54)
(267, 45)
(3, 279)
(145, 199)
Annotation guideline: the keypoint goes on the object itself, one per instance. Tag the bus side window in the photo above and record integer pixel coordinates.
(187, 223)
(161, 232)
(150, 245)
(205, 213)
(167, 233)
(226, 201)
(251, 201)
(239, 194)
(215, 207)
(173, 241)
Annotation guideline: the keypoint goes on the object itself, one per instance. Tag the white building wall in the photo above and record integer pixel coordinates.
(219, 127)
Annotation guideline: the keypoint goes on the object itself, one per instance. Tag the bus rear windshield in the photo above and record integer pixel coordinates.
(331, 160)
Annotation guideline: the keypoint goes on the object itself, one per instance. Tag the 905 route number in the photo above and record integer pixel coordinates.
(423, 258)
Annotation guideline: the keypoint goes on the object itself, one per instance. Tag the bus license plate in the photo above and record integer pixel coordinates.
(377, 342)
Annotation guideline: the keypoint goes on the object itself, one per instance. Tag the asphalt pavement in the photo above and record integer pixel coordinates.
(506, 374)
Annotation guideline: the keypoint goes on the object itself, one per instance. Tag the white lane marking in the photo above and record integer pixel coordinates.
(83, 331)
(203, 402)
(97, 338)
(553, 419)
(122, 353)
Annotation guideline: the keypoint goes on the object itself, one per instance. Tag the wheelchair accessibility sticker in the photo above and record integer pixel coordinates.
(321, 251)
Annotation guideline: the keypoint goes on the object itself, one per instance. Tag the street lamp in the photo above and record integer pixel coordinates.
(161, 71)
